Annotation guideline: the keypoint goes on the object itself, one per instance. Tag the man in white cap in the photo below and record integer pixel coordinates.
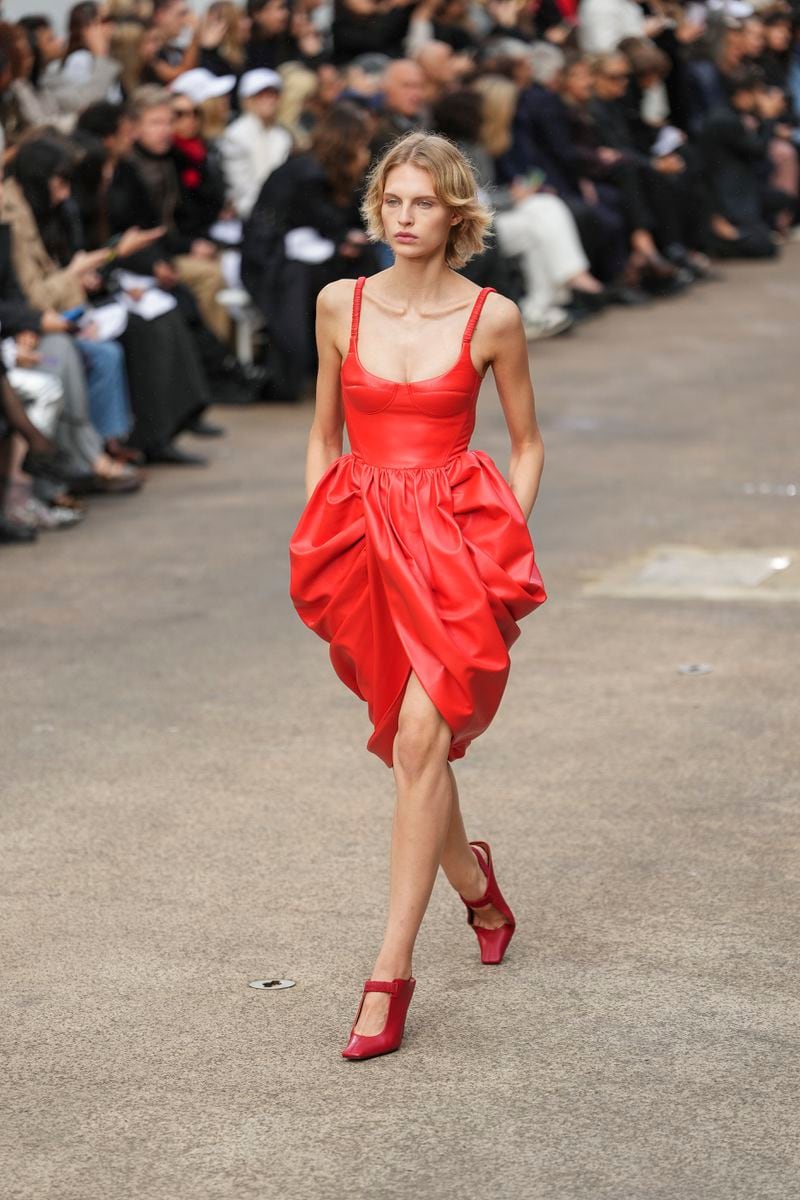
(254, 145)
(199, 85)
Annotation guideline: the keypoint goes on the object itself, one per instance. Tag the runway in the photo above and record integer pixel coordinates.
(189, 806)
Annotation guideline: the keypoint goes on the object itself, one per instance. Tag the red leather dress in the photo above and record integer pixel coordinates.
(412, 551)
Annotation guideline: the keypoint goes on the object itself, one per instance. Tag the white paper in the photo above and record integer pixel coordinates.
(129, 281)
(154, 303)
(227, 232)
(668, 141)
(304, 244)
(109, 321)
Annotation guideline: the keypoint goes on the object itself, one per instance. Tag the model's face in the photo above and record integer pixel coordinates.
(154, 129)
(416, 222)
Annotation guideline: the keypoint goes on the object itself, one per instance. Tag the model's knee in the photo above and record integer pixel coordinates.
(420, 743)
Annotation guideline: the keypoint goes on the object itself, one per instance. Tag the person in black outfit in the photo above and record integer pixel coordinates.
(542, 141)
(319, 191)
(145, 190)
(664, 196)
(369, 26)
(735, 139)
(278, 36)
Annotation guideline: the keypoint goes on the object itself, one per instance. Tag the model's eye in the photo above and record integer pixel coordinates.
(391, 201)
(425, 204)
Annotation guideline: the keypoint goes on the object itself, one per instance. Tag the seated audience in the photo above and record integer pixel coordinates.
(315, 194)
(735, 141)
(254, 144)
(86, 72)
(153, 148)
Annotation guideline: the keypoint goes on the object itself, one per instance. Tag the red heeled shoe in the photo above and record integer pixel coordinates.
(390, 1037)
(493, 942)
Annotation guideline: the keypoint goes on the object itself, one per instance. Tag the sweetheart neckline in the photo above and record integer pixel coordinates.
(353, 351)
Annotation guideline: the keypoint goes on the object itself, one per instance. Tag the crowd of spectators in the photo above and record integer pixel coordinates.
(169, 175)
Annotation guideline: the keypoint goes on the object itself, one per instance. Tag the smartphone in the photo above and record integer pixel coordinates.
(74, 314)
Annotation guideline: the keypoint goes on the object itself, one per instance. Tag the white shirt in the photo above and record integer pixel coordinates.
(250, 153)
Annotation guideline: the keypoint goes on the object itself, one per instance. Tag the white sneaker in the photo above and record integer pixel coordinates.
(550, 324)
(46, 516)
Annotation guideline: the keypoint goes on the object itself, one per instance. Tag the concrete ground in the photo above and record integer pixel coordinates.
(189, 806)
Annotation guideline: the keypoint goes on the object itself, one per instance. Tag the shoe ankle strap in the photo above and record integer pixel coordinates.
(392, 986)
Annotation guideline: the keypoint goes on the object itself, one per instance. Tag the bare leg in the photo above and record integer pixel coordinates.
(460, 866)
(422, 815)
(427, 831)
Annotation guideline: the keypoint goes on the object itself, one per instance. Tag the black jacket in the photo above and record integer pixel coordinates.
(736, 166)
(130, 201)
(296, 194)
(542, 139)
(356, 33)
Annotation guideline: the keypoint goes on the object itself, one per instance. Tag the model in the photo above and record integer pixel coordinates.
(412, 556)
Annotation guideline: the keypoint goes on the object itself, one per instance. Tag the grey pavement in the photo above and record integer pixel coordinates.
(189, 806)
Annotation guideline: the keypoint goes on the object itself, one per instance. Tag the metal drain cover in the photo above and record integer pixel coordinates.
(272, 985)
(690, 572)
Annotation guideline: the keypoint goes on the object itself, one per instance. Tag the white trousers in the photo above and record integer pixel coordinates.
(542, 230)
(42, 395)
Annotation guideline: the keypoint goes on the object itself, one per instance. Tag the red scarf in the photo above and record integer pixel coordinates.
(194, 149)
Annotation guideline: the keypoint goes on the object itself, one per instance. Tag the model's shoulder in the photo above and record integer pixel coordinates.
(500, 315)
(336, 297)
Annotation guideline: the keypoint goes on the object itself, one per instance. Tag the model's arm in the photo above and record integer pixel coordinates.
(508, 354)
(325, 436)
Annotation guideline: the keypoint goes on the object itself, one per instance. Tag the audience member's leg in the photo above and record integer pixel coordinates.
(109, 406)
(204, 279)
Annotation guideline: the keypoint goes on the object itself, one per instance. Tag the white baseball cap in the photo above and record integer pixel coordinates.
(200, 84)
(253, 82)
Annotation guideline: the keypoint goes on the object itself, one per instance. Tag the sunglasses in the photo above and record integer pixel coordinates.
(185, 112)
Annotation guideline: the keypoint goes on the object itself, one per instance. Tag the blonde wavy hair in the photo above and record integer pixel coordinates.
(454, 185)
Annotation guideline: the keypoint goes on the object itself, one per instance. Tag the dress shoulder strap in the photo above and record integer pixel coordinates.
(362, 279)
(476, 312)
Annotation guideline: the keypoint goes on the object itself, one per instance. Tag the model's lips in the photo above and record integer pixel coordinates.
(405, 237)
